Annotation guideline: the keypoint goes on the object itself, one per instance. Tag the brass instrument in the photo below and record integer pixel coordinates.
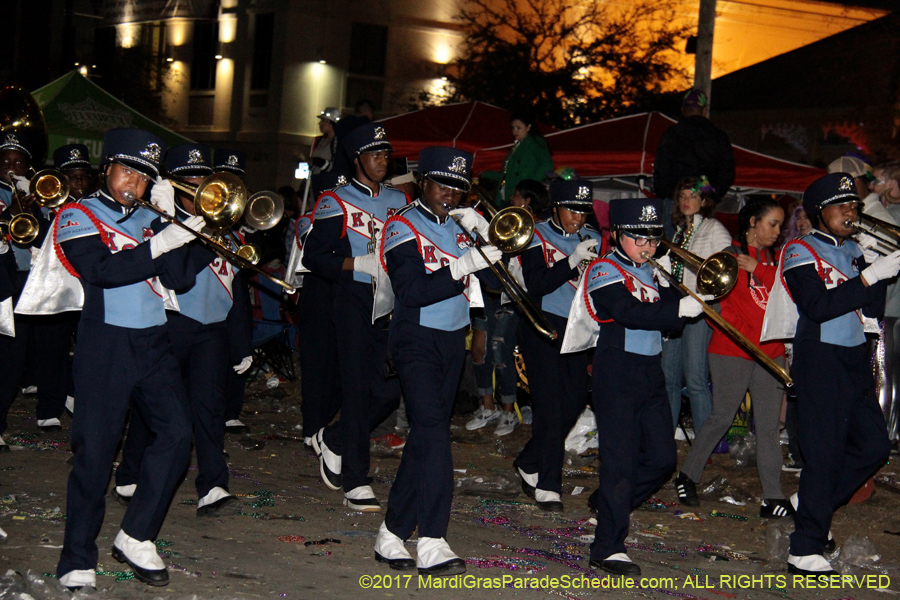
(868, 224)
(716, 275)
(220, 201)
(583, 238)
(50, 189)
(749, 347)
(510, 230)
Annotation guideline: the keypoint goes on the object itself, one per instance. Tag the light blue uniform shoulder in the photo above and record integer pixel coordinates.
(327, 207)
(796, 254)
(601, 273)
(73, 222)
(397, 232)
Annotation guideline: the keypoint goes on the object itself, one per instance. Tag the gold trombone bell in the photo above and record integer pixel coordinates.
(716, 275)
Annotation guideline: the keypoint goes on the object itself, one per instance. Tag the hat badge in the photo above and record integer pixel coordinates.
(232, 160)
(648, 213)
(583, 193)
(845, 184)
(194, 157)
(379, 133)
(74, 154)
(459, 165)
(12, 139)
(342, 180)
(152, 152)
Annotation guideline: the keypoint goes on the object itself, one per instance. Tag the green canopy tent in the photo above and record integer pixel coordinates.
(78, 111)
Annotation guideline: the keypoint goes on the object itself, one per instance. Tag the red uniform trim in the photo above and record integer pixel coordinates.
(401, 219)
(629, 285)
(104, 237)
(340, 202)
(819, 268)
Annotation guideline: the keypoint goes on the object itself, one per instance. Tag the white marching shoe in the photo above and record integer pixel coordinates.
(390, 549)
(434, 557)
(142, 558)
(75, 580)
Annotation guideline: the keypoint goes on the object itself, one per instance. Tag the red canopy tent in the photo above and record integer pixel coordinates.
(468, 126)
(626, 147)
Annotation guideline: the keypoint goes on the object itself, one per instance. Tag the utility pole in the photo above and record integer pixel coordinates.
(706, 25)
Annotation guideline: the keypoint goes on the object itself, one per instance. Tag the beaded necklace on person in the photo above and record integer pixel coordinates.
(677, 264)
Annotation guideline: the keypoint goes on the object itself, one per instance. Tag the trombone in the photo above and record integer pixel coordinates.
(868, 224)
(748, 346)
(716, 275)
(510, 230)
(220, 199)
(50, 189)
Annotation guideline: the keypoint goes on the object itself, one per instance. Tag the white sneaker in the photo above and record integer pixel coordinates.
(482, 417)
(507, 423)
(434, 557)
(390, 549)
(79, 578)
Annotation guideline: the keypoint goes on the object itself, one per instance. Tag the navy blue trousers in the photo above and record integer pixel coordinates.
(842, 434)
(429, 362)
(368, 395)
(321, 380)
(559, 392)
(202, 354)
(637, 440)
(112, 365)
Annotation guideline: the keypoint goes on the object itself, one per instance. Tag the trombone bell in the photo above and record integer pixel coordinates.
(264, 210)
(511, 229)
(50, 187)
(249, 253)
(717, 274)
(220, 199)
(23, 228)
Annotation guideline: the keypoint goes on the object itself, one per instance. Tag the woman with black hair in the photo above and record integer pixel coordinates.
(734, 372)
(529, 158)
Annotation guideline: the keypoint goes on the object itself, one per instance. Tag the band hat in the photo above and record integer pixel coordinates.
(856, 167)
(576, 195)
(637, 216)
(71, 156)
(189, 160)
(135, 148)
(447, 166)
(233, 161)
(834, 188)
(369, 137)
(331, 114)
(20, 141)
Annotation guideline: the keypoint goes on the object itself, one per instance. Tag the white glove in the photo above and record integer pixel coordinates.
(22, 184)
(665, 261)
(688, 307)
(884, 267)
(586, 250)
(472, 261)
(367, 263)
(174, 236)
(471, 220)
(162, 196)
(3, 246)
(868, 244)
(243, 365)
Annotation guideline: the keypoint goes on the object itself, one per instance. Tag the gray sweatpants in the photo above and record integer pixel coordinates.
(731, 378)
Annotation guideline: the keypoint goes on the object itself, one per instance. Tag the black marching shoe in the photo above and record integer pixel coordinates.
(687, 491)
(812, 564)
(151, 569)
(435, 558)
(49, 424)
(389, 549)
(775, 509)
(830, 545)
(3, 446)
(329, 463)
(124, 498)
(548, 501)
(618, 564)
(526, 478)
(234, 426)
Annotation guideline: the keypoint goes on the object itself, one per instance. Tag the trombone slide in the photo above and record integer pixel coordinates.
(748, 346)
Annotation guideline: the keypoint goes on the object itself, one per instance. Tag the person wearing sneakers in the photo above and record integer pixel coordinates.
(340, 248)
(551, 266)
(200, 332)
(834, 285)
(430, 262)
(124, 355)
(734, 372)
(622, 296)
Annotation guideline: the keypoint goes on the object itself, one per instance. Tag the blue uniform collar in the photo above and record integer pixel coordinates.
(827, 238)
(622, 257)
(361, 187)
(426, 212)
(558, 228)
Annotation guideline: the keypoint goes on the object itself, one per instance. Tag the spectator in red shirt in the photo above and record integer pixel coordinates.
(734, 372)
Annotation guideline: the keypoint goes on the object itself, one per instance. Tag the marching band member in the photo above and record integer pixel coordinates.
(16, 153)
(427, 338)
(74, 160)
(841, 427)
(622, 293)
(235, 162)
(551, 267)
(123, 353)
(340, 248)
(200, 336)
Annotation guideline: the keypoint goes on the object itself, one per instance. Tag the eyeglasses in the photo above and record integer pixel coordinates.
(642, 242)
